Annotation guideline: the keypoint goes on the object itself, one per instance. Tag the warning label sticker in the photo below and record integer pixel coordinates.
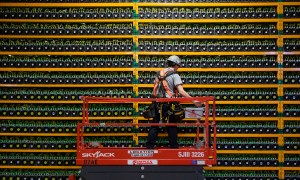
(142, 153)
(142, 162)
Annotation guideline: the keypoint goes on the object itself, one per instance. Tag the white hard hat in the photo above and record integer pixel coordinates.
(175, 59)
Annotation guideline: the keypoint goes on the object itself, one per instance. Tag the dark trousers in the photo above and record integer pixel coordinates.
(171, 130)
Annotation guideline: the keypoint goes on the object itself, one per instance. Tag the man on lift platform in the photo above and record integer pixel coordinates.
(167, 84)
(135, 163)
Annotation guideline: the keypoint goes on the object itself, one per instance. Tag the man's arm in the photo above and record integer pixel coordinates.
(181, 91)
(185, 94)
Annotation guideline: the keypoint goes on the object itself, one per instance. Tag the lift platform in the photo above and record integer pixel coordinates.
(97, 160)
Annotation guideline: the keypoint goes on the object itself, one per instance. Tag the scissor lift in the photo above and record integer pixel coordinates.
(184, 163)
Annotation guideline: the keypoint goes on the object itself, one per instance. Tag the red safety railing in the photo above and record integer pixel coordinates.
(91, 154)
